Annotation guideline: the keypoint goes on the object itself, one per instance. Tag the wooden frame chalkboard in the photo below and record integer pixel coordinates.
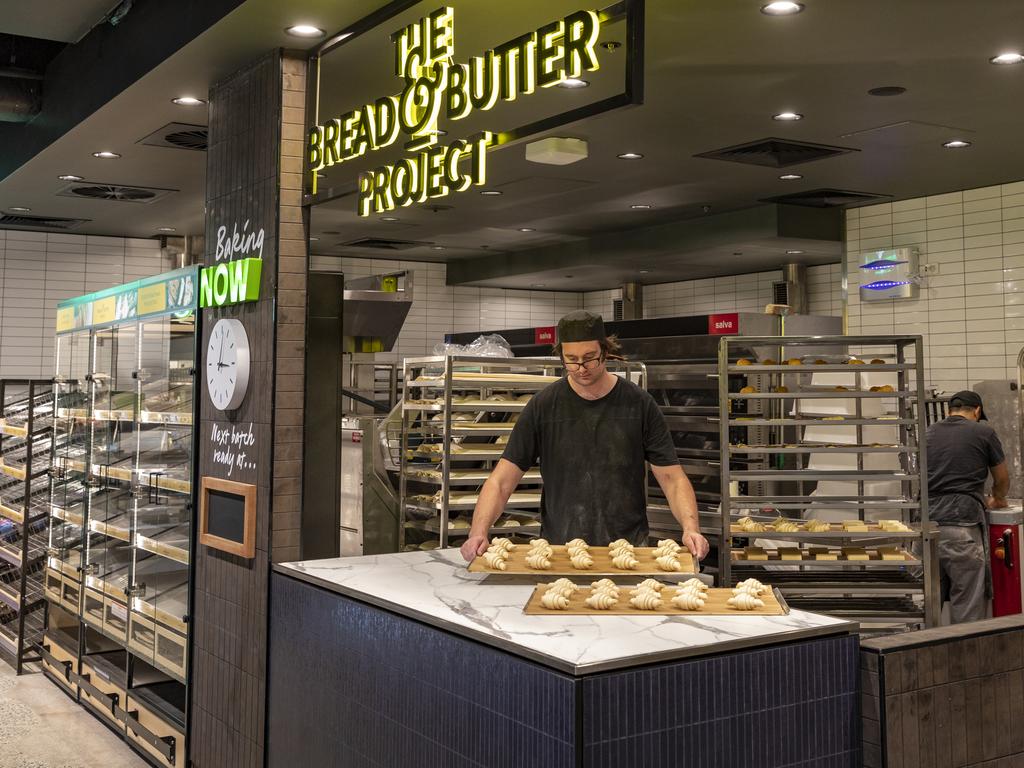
(227, 516)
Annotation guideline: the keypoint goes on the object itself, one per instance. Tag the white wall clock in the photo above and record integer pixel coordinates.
(227, 364)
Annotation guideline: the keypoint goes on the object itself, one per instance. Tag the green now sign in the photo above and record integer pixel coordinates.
(230, 282)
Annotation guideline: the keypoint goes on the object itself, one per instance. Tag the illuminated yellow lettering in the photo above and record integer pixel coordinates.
(332, 132)
(403, 179)
(484, 76)
(453, 177)
(441, 36)
(518, 75)
(382, 200)
(386, 119)
(549, 51)
(409, 51)
(421, 106)
(458, 105)
(316, 148)
(435, 172)
(419, 189)
(365, 193)
(365, 132)
(480, 142)
(349, 127)
(581, 31)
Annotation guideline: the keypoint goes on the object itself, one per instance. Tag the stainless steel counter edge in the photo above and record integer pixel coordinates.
(577, 670)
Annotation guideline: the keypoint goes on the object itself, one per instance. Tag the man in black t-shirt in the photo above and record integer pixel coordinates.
(961, 453)
(593, 434)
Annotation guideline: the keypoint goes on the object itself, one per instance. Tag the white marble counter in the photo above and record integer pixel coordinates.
(435, 588)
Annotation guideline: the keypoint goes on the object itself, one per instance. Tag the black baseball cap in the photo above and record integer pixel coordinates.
(967, 398)
(581, 326)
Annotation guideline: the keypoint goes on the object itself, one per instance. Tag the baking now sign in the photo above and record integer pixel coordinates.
(723, 325)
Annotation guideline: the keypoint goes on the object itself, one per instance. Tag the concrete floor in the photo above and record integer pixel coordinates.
(40, 727)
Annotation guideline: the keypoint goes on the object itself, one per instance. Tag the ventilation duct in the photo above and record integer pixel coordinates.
(792, 289)
(632, 302)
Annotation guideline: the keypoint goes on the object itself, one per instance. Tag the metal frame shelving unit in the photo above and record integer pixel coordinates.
(26, 432)
(881, 594)
(429, 385)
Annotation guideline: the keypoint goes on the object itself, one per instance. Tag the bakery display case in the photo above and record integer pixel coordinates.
(457, 415)
(837, 512)
(118, 566)
(26, 432)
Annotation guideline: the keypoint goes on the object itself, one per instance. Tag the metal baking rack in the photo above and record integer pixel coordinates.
(446, 458)
(824, 458)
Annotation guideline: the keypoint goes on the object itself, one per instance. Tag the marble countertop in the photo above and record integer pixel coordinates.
(435, 588)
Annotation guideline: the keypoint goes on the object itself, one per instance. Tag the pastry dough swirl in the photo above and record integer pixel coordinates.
(601, 601)
(669, 545)
(495, 561)
(581, 561)
(694, 583)
(577, 544)
(753, 586)
(554, 601)
(669, 563)
(538, 561)
(744, 602)
(625, 561)
(564, 585)
(688, 601)
(502, 543)
(646, 601)
(651, 584)
(604, 584)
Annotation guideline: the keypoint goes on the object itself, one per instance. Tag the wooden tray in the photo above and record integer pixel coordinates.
(834, 529)
(560, 565)
(874, 558)
(715, 605)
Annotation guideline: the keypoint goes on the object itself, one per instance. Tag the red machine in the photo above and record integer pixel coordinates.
(1005, 529)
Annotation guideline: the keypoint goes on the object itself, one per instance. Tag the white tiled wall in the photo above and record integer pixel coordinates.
(971, 314)
(38, 269)
(738, 293)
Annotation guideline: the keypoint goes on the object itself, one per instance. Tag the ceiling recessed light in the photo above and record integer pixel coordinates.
(630, 156)
(19, 209)
(788, 117)
(188, 101)
(166, 229)
(782, 8)
(640, 206)
(1010, 57)
(956, 144)
(573, 82)
(304, 30)
(491, 192)
(314, 239)
(437, 248)
(536, 285)
(527, 229)
(70, 177)
(389, 218)
(644, 271)
(106, 155)
(790, 176)
(793, 253)
(887, 90)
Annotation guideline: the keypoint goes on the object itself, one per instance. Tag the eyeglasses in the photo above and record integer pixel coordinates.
(587, 364)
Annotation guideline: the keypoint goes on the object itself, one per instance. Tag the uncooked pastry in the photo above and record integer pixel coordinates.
(604, 584)
(540, 543)
(601, 601)
(619, 543)
(688, 601)
(646, 601)
(538, 561)
(787, 526)
(564, 585)
(817, 526)
(554, 601)
(748, 585)
(625, 561)
(651, 584)
(694, 584)
(581, 561)
(669, 563)
(495, 560)
(501, 541)
(670, 544)
(577, 544)
(744, 602)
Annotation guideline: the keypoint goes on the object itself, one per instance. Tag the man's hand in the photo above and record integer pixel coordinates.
(697, 544)
(474, 546)
(995, 502)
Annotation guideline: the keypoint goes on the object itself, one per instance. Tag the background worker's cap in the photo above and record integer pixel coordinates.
(581, 326)
(967, 398)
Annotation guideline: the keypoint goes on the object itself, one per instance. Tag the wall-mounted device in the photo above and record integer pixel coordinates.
(887, 275)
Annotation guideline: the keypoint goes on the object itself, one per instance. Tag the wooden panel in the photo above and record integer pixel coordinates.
(561, 566)
(715, 605)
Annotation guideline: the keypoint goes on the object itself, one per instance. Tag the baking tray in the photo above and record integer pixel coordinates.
(560, 565)
(774, 605)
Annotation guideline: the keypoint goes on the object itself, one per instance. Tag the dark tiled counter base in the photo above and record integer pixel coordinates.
(355, 686)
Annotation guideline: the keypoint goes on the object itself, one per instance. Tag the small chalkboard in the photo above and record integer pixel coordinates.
(227, 516)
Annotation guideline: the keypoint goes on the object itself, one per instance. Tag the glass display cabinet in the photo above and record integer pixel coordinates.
(120, 511)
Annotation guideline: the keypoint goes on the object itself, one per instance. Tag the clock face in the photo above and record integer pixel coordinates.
(227, 364)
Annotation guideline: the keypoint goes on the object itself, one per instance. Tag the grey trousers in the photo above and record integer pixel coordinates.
(963, 568)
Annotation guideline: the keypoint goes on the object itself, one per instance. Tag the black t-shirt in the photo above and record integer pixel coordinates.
(592, 455)
(960, 453)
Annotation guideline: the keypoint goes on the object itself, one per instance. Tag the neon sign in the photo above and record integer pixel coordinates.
(425, 59)
(230, 282)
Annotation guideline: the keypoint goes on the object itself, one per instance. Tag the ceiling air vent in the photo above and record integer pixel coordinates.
(8, 221)
(775, 153)
(780, 292)
(383, 245)
(115, 192)
(179, 136)
(827, 198)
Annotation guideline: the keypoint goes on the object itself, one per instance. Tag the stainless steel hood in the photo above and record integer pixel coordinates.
(374, 309)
